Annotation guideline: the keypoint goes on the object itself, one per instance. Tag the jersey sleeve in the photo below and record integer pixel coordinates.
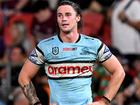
(37, 56)
(103, 53)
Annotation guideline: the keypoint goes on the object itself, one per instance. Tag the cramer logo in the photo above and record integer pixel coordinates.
(69, 70)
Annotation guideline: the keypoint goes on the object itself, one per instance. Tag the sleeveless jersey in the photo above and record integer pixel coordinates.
(69, 67)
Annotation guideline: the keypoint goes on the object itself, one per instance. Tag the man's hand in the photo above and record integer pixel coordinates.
(122, 16)
(100, 102)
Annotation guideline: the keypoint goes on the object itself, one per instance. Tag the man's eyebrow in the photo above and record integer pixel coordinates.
(65, 12)
(68, 13)
(59, 13)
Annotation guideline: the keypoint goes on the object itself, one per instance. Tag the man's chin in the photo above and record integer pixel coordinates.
(66, 31)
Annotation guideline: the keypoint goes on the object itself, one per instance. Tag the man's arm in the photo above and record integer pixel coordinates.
(27, 73)
(126, 20)
(134, 24)
(113, 66)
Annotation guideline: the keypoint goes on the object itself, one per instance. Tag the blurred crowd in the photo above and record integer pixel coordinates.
(23, 23)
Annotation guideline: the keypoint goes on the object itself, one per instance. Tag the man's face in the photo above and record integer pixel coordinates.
(67, 18)
(16, 56)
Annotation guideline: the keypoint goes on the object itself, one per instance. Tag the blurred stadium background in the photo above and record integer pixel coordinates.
(23, 23)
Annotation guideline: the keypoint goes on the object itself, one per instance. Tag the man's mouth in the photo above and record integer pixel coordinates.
(65, 24)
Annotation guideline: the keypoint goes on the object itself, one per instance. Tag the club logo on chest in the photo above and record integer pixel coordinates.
(55, 50)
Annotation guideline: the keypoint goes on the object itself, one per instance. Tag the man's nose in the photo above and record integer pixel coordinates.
(64, 18)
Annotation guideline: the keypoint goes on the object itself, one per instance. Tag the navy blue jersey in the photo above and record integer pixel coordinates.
(69, 67)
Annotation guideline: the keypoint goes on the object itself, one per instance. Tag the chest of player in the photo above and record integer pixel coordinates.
(71, 52)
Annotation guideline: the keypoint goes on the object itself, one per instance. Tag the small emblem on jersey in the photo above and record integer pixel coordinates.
(55, 50)
(106, 49)
(69, 49)
(108, 56)
(85, 51)
(33, 54)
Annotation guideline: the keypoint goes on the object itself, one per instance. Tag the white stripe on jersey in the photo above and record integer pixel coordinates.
(104, 53)
(36, 57)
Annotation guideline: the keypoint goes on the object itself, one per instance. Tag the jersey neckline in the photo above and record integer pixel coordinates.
(71, 42)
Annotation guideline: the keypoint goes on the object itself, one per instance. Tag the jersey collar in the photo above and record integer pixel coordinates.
(75, 42)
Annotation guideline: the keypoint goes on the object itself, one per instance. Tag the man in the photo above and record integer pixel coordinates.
(126, 26)
(17, 58)
(69, 58)
(44, 22)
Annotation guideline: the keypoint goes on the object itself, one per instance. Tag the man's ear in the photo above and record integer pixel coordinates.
(78, 18)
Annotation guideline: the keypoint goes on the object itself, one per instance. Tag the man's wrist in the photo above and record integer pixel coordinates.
(106, 100)
(125, 20)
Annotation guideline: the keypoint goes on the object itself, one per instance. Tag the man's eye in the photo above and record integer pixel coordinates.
(59, 15)
(68, 14)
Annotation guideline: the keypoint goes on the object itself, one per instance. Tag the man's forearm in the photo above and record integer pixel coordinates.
(114, 84)
(30, 93)
(133, 24)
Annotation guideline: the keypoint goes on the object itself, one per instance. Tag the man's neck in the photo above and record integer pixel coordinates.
(70, 37)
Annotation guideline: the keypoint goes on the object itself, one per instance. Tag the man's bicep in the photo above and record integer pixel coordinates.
(28, 71)
(30, 68)
(112, 64)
